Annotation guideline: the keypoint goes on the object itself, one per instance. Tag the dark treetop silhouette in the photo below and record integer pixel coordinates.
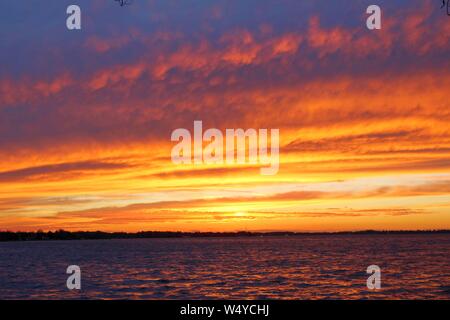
(124, 2)
(448, 5)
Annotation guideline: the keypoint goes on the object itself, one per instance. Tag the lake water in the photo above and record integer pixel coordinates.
(306, 267)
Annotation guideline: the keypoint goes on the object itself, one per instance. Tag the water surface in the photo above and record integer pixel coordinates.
(304, 267)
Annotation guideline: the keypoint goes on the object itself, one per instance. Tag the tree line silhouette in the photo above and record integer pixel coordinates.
(98, 235)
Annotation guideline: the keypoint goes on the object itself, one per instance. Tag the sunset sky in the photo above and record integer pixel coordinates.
(86, 116)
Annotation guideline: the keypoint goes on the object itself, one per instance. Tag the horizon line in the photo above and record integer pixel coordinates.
(6, 236)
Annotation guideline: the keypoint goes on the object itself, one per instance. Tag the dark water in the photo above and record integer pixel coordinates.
(313, 267)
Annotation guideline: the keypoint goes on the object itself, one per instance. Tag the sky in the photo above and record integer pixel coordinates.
(86, 116)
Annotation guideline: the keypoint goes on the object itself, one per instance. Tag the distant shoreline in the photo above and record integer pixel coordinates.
(100, 235)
